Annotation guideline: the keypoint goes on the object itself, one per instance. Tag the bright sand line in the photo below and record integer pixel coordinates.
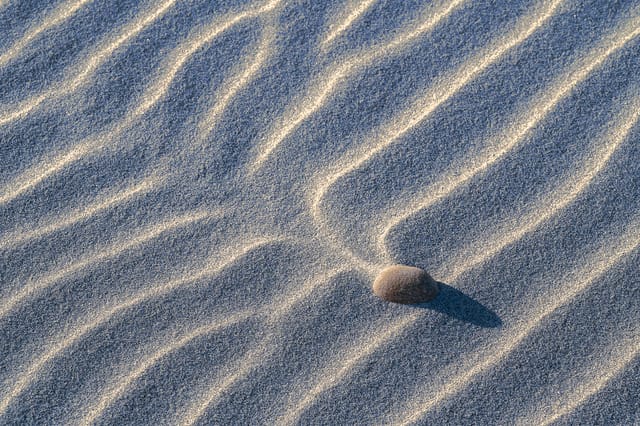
(613, 250)
(58, 16)
(152, 94)
(324, 86)
(49, 226)
(544, 307)
(614, 360)
(111, 251)
(241, 368)
(85, 70)
(428, 103)
(181, 54)
(240, 80)
(353, 12)
(512, 229)
(128, 379)
(83, 327)
(340, 367)
(42, 171)
(516, 133)
(274, 313)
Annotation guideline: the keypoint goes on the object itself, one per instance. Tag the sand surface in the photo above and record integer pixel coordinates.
(196, 196)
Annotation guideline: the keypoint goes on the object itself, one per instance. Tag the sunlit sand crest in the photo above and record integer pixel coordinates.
(105, 253)
(611, 363)
(52, 225)
(326, 85)
(240, 80)
(149, 98)
(355, 11)
(117, 390)
(551, 203)
(86, 325)
(83, 72)
(425, 105)
(272, 315)
(506, 142)
(613, 251)
(58, 16)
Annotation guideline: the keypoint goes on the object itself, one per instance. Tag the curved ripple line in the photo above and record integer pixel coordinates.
(182, 53)
(152, 94)
(84, 71)
(619, 133)
(274, 313)
(424, 106)
(551, 203)
(32, 177)
(625, 245)
(330, 376)
(353, 13)
(613, 250)
(241, 368)
(38, 284)
(68, 338)
(119, 389)
(618, 356)
(61, 14)
(510, 138)
(22, 236)
(325, 85)
(239, 81)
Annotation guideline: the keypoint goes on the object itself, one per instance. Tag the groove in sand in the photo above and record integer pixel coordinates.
(338, 368)
(614, 361)
(84, 71)
(548, 305)
(181, 54)
(52, 225)
(152, 94)
(58, 16)
(29, 179)
(613, 251)
(325, 85)
(83, 327)
(117, 390)
(274, 313)
(510, 138)
(38, 284)
(426, 104)
(510, 230)
(353, 13)
(240, 80)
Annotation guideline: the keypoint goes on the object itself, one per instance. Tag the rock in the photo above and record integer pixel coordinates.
(405, 284)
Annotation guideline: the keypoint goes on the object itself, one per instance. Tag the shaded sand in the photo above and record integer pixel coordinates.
(194, 205)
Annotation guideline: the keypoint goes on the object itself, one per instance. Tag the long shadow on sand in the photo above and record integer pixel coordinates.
(458, 305)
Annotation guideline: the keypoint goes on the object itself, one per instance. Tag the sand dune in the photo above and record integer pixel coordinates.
(189, 231)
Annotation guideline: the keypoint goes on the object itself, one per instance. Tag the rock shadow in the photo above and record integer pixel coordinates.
(456, 304)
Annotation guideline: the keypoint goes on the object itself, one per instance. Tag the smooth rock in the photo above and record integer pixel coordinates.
(405, 284)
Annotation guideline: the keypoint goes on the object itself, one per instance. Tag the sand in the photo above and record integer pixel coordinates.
(196, 198)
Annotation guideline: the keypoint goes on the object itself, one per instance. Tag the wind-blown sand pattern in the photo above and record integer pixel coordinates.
(195, 199)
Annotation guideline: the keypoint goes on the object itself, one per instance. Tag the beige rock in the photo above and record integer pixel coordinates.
(405, 284)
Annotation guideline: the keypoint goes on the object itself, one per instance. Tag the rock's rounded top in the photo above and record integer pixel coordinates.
(405, 284)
